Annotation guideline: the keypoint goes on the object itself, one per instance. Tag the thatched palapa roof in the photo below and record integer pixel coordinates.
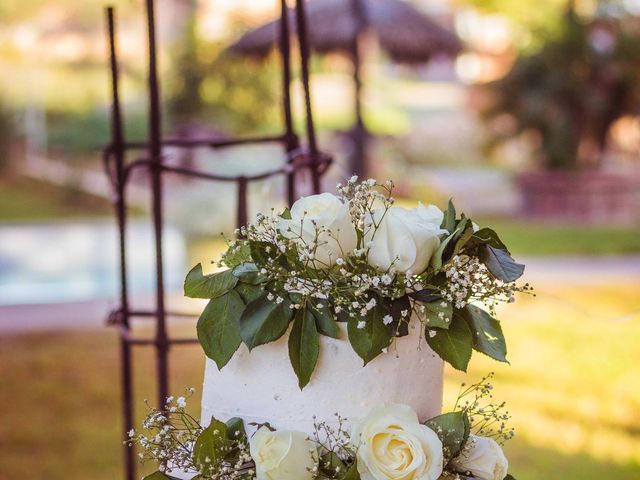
(405, 33)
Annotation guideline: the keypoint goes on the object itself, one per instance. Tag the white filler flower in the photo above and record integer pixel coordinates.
(483, 457)
(283, 455)
(321, 224)
(404, 239)
(393, 445)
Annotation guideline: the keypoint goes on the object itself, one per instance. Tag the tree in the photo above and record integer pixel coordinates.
(572, 90)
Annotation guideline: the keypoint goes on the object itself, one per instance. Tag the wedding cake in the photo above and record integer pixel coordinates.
(326, 335)
(260, 387)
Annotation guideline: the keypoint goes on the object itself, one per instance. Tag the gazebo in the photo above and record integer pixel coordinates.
(406, 34)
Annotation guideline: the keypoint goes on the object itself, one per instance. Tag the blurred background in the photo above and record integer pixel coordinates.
(525, 113)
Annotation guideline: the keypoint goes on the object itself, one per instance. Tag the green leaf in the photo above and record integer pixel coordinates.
(368, 342)
(295, 298)
(399, 327)
(212, 443)
(240, 253)
(352, 473)
(509, 477)
(286, 214)
(426, 295)
(437, 315)
(163, 476)
(264, 321)
(463, 237)
(218, 327)
(197, 285)
(500, 263)
(249, 292)
(439, 257)
(235, 429)
(158, 476)
(454, 345)
(329, 463)
(262, 252)
(487, 333)
(436, 260)
(449, 220)
(487, 236)
(249, 273)
(304, 346)
(325, 321)
(453, 430)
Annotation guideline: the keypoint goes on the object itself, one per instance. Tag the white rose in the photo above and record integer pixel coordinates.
(405, 239)
(283, 455)
(393, 445)
(327, 216)
(483, 457)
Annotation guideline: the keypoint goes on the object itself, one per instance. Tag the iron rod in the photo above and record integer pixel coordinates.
(132, 341)
(211, 143)
(291, 140)
(358, 135)
(292, 166)
(241, 219)
(153, 314)
(305, 54)
(117, 136)
(285, 52)
(155, 150)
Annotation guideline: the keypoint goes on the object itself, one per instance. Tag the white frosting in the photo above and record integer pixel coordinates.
(261, 386)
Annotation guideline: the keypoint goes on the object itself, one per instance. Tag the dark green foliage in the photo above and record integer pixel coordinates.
(569, 92)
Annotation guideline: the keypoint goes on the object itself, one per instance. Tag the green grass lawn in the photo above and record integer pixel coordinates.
(24, 198)
(573, 389)
(28, 199)
(540, 238)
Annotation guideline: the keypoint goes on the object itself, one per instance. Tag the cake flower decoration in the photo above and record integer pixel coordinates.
(356, 258)
(389, 443)
(393, 445)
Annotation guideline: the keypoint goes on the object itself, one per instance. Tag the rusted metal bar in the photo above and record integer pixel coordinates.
(194, 173)
(298, 159)
(155, 152)
(130, 340)
(117, 141)
(152, 314)
(305, 54)
(291, 139)
(358, 135)
(241, 219)
(205, 142)
(116, 316)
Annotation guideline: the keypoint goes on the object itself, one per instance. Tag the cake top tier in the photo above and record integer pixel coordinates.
(358, 259)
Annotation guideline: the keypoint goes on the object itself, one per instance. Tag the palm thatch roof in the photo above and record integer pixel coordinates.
(405, 33)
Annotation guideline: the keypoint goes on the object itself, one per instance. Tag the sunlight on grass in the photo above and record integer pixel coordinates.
(24, 198)
(572, 388)
(531, 237)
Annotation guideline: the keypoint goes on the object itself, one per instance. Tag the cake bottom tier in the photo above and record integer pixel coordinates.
(260, 386)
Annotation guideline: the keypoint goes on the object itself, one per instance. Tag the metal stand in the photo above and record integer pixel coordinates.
(119, 171)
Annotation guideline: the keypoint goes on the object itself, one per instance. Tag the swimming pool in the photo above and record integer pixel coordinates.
(75, 261)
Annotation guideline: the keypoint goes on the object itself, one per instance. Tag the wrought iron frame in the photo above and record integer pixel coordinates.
(119, 170)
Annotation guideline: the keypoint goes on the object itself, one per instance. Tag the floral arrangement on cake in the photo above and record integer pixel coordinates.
(390, 443)
(357, 259)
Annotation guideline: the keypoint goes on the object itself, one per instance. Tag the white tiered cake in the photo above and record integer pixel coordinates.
(300, 405)
(261, 387)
